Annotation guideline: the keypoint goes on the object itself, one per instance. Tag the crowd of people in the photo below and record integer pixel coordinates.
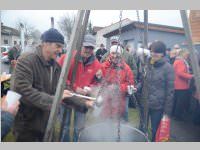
(116, 74)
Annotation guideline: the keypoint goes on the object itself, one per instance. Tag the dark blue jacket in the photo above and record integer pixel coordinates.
(6, 123)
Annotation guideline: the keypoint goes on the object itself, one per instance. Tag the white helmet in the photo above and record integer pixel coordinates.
(114, 39)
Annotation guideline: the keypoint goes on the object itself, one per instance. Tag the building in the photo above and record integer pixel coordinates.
(132, 34)
(100, 33)
(9, 36)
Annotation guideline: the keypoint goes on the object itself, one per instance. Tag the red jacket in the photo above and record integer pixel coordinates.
(110, 76)
(182, 77)
(85, 74)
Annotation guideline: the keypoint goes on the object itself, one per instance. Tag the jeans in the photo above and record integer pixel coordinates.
(65, 137)
(125, 116)
(79, 122)
(142, 119)
(155, 116)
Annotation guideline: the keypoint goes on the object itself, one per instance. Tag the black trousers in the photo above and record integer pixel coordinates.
(28, 136)
(155, 116)
(181, 103)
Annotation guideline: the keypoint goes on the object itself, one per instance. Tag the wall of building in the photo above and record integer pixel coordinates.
(99, 37)
(133, 37)
(15, 38)
(10, 39)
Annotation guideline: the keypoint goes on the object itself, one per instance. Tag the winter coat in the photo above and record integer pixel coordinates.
(160, 80)
(85, 73)
(111, 80)
(36, 80)
(182, 75)
(6, 123)
(100, 53)
(14, 53)
(128, 58)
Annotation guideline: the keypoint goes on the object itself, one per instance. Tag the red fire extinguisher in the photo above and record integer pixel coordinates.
(163, 132)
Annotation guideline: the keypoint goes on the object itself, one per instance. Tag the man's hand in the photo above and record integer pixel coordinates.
(81, 91)
(89, 103)
(66, 94)
(12, 109)
(99, 74)
(13, 62)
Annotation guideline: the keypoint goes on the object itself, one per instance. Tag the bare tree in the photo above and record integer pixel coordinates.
(28, 28)
(90, 28)
(66, 24)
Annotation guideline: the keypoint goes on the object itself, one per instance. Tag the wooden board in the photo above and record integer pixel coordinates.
(195, 25)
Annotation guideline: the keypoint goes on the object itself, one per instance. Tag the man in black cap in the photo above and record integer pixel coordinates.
(36, 77)
(100, 52)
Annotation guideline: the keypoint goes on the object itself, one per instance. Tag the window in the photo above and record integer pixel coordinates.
(5, 41)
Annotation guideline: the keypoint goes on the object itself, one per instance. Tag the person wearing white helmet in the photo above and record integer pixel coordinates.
(117, 76)
(130, 61)
(114, 40)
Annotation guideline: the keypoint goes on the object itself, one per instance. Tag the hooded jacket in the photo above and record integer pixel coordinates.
(85, 72)
(115, 76)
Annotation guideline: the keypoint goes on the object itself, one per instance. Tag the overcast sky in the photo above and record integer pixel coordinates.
(40, 19)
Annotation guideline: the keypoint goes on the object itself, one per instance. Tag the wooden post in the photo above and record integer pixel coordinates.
(0, 26)
(145, 84)
(52, 22)
(146, 29)
(78, 47)
(63, 77)
(193, 57)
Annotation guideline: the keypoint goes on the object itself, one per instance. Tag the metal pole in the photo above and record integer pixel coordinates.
(52, 22)
(63, 77)
(146, 29)
(193, 57)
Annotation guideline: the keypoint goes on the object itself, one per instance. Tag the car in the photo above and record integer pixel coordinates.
(4, 53)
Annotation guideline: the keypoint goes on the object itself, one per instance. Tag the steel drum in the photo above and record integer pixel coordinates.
(108, 132)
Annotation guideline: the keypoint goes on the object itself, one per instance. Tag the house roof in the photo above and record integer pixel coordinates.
(96, 29)
(5, 30)
(151, 26)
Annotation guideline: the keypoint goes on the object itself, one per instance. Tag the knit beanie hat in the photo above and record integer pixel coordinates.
(116, 49)
(158, 47)
(52, 35)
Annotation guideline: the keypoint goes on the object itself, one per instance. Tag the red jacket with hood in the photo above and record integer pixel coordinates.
(110, 76)
(85, 73)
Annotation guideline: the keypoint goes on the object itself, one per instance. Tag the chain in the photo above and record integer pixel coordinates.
(118, 89)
